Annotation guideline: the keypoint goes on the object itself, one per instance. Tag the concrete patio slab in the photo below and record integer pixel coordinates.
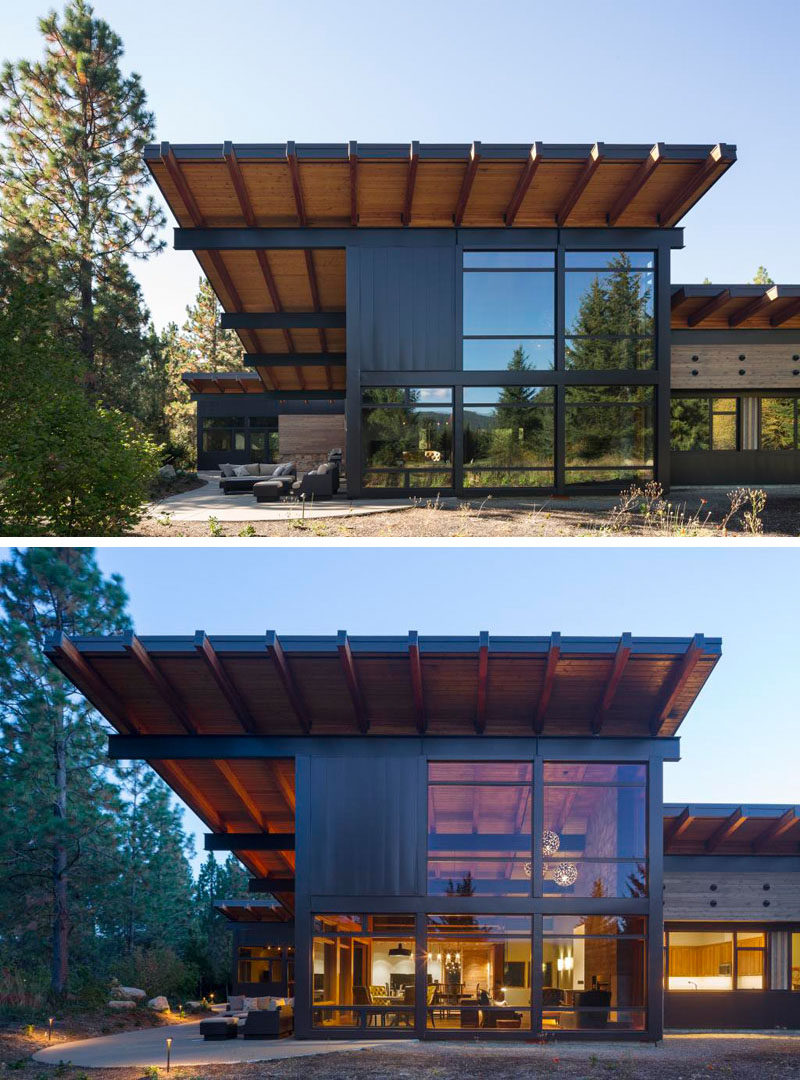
(147, 1046)
(209, 501)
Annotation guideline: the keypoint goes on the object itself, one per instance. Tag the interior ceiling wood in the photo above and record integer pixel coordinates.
(709, 829)
(735, 307)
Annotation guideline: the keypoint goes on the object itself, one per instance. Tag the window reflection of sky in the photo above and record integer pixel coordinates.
(509, 303)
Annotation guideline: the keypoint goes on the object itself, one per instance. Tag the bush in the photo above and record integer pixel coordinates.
(68, 466)
(159, 971)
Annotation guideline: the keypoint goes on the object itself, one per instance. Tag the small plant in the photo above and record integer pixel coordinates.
(248, 530)
(214, 527)
(28, 1030)
(165, 520)
(319, 528)
(20, 1064)
(151, 1072)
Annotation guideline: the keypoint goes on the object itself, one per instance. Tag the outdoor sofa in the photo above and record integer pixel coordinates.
(238, 479)
(319, 483)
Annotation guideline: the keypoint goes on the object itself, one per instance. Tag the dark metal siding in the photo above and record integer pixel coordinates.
(405, 310)
(365, 826)
(731, 1010)
(735, 467)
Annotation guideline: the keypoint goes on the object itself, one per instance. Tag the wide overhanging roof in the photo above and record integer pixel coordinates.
(392, 185)
(343, 685)
(718, 829)
(735, 307)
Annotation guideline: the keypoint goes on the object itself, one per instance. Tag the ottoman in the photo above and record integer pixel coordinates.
(267, 490)
(223, 1027)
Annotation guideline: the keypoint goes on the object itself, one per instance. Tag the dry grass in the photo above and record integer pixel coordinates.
(638, 512)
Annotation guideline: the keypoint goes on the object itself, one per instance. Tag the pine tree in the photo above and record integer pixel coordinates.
(74, 201)
(761, 277)
(210, 947)
(205, 346)
(60, 809)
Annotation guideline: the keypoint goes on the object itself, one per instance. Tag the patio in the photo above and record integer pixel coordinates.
(210, 501)
(148, 1047)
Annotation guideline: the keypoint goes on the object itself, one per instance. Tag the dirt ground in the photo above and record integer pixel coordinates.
(697, 517)
(750, 1057)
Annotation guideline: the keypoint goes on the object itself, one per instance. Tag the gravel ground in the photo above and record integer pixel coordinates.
(497, 518)
(751, 1057)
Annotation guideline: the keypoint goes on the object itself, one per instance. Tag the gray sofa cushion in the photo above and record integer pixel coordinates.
(266, 470)
(252, 468)
(281, 470)
(227, 470)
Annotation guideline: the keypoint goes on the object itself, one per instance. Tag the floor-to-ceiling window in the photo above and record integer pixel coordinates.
(509, 436)
(407, 437)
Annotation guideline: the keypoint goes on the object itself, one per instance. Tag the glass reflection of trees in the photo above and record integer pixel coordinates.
(609, 315)
(407, 437)
(508, 433)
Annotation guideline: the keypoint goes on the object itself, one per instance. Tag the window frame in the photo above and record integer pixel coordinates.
(795, 398)
(733, 928)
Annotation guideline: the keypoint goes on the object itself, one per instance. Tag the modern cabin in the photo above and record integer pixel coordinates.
(459, 837)
(485, 318)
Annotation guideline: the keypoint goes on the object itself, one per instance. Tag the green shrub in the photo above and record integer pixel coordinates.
(159, 971)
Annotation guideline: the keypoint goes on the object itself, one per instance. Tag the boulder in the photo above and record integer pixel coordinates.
(159, 1003)
(167, 472)
(128, 993)
(193, 1006)
(122, 1004)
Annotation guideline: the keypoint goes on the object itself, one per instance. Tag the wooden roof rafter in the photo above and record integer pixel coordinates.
(591, 165)
(719, 159)
(524, 182)
(710, 308)
(757, 304)
(352, 161)
(789, 312)
(676, 684)
(678, 827)
(411, 181)
(233, 698)
(644, 173)
(351, 678)
(553, 656)
(776, 829)
(728, 827)
(278, 657)
(166, 691)
(417, 688)
(621, 658)
(297, 190)
(466, 184)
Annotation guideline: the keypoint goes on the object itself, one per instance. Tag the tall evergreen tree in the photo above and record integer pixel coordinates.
(761, 277)
(205, 346)
(74, 203)
(60, 808)
(210, 949)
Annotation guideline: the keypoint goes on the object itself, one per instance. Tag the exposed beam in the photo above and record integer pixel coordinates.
(709, 308)
(411, 181)
(175, 174)
(270, 884)
(352, 158)
(678, 298)
(757, 304)
(241, 792)
(553, 654)
(720, 157)
(278, 657)
(467, 182)
(621, 658)
(74, 665)
(729, 826)
(287, 788)
(591, 165)
(417, 691)
(483, 681)
(188, 791)
(220, 386)
(351, 678)
(249, 842)
(676, 683)
(159, 681)
(235, 701)
(272, 320)
(636, 183)
(788, 312)
(239, 186)
(314, 288)
(526, 178)
(307, 359)
(294, 173)
(776, 829)
(678, 827)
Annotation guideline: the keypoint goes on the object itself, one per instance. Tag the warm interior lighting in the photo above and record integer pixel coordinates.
(401, 950)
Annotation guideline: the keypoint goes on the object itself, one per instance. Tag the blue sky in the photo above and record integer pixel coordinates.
(739, 742)
(458, 70)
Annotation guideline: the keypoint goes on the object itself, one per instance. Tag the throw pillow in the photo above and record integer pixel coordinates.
(236, 1003)
(263, 1002)
(227, 470)
(252, 469)
(250, 1004)
(240, 470)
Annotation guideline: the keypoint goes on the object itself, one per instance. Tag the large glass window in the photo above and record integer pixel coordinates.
(716, 960)
(221, 433)
(794, 969)
(263, 438)
(479, 828)
(260, 964)
(407, 437)
(508, 436)
(595, 819)
(509, 310)
(609, 434)
(479, 972)
(779, 423)
(594, 972)
(363, 971)
(609, 303)
(704, 423)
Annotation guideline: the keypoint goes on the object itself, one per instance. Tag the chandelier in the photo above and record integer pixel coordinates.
(565, 873)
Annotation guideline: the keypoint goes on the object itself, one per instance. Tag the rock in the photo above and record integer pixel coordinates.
(167, 472)
(159, 1003)
(128, 993)
(122, 1004)
(193, 1006)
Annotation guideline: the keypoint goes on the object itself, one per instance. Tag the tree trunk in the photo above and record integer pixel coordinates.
(60, 960)
(85, 277)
